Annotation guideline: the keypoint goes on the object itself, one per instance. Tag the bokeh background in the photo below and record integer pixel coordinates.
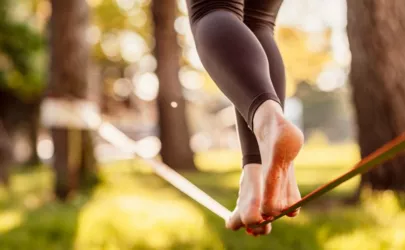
(65, 187)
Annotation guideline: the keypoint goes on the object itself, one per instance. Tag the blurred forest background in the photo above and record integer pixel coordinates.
(64, 187)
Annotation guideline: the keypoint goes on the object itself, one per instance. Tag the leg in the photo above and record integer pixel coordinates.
(280, 187)
(236, 61)
(231, 54)
(248, 142)
(260, 18)
(251, 181)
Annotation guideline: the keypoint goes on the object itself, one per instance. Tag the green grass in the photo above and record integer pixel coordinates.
(134, 209)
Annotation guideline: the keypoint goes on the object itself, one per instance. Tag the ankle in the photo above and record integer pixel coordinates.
(268, 114)
(251, 170)
(251, 165)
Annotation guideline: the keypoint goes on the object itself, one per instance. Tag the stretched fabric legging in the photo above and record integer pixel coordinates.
(234, 40)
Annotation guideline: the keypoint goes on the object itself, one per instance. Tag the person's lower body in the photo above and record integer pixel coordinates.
(234, 39)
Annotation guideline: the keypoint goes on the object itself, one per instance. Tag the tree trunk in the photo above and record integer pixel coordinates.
(6, 152)
(5, 155)
(376, 36)
(32, 128)
(69, 79)
(174, 132)
(88, 165)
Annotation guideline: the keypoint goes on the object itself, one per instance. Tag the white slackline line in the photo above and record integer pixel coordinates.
(84, 114)
(114, 136)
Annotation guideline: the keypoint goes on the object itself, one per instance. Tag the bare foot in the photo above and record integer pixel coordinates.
(247, 211)
(279, 141)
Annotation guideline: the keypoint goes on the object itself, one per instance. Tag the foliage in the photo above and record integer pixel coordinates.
(302, 61)
(21, 55)
(111, 21)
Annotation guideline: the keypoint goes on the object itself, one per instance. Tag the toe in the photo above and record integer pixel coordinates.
(294, 213)
(274, 207)
(266, 229)
(234, 222)
(251, 216)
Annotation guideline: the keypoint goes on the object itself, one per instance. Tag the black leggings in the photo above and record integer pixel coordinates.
(234, 40)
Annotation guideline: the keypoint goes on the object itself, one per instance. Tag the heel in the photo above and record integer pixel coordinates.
(289, 144)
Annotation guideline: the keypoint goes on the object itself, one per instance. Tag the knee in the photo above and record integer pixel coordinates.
(255, 19)
(259, 14)
(203, 8)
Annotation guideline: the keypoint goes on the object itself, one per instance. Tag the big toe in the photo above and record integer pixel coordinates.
(251, 216)
(273, 208)
(234, 222)
(263, 230)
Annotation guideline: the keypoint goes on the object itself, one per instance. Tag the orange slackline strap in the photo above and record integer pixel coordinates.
(381, 155)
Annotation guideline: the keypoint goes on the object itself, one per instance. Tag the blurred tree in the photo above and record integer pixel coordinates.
(376, 31)
(21, 77)
(174, 131)
(322, 110)
(21, 56)
(121, 35)
(74, 160)
(5, 154)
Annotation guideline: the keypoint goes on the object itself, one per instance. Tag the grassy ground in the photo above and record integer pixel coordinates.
(133, 209)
